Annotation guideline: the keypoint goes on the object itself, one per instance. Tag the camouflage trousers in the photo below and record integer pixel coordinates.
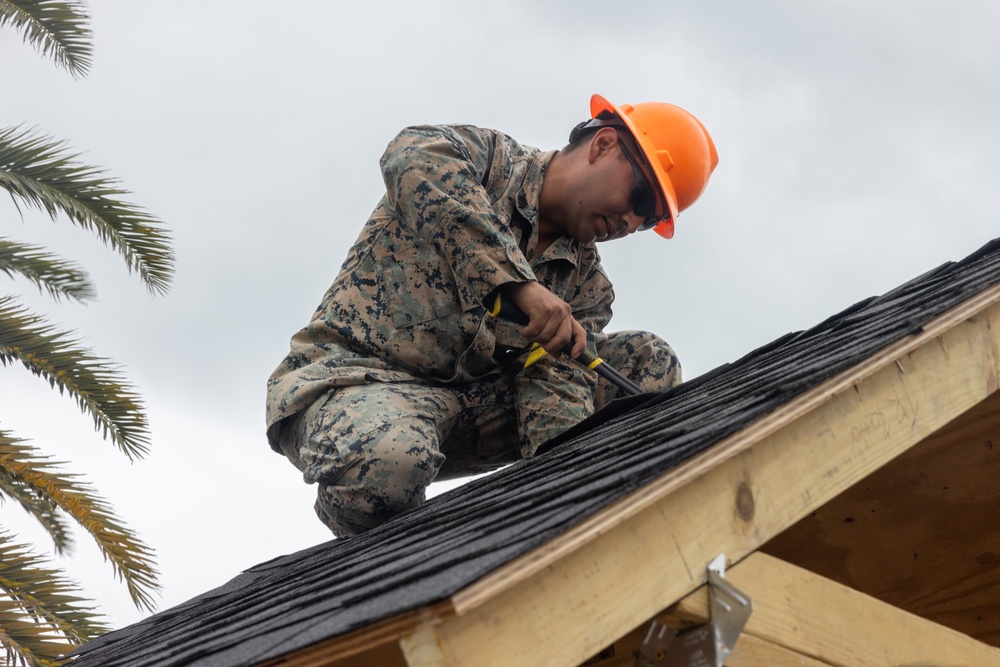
(373, 449)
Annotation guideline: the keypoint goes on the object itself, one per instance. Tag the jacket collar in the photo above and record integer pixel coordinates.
(527, 204)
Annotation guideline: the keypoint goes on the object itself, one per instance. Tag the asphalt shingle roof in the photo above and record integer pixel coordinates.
(427, 554)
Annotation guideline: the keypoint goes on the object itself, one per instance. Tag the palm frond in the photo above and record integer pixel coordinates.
(42, 173)
(56, 28)
(17, 485)
(99, 389)
(132, 561)
(41, 616)
(57, 276)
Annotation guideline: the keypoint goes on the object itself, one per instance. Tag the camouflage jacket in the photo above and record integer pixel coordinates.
(458, 220)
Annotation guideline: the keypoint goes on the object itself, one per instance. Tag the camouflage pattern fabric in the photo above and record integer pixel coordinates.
(403, 326)
(373, 449)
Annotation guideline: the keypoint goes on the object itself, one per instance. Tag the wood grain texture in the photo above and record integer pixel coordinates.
(752, 651)
(923, 532)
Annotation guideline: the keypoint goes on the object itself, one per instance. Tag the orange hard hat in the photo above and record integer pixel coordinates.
(677, 147)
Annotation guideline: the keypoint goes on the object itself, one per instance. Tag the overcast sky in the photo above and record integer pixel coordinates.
(859, 146)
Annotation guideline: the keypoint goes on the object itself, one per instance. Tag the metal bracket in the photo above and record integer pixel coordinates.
(707, 645)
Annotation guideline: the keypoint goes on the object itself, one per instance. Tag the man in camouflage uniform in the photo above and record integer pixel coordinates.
(400, 378)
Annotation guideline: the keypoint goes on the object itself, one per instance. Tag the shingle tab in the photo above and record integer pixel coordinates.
(433, 551)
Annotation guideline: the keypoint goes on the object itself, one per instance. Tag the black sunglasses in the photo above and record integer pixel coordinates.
(643, 196)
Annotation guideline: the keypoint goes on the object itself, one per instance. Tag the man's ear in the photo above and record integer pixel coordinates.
(602, 143)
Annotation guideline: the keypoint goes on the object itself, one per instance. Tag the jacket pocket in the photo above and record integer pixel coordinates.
(420, 286)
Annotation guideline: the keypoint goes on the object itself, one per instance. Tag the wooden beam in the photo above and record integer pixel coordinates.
(562, 603)
(813, 616)
(752, 651)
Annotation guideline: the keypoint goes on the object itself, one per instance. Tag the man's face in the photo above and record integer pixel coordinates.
(604, 204)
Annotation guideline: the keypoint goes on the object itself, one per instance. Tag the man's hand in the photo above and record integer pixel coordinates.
(550, 319)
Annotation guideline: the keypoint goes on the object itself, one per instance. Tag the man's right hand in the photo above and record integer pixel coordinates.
(550, 319)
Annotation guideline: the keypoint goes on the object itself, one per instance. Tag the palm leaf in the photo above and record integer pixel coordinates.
(42, 173)
(131, 560)
(99, 389)
(57, 29)
(34, 500)
(41, 617)
(58, 277)
(41, 508)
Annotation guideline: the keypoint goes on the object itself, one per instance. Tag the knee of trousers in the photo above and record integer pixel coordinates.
(386, 471)
(644, 358)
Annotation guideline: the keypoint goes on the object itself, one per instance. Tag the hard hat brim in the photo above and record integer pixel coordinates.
(665, 228)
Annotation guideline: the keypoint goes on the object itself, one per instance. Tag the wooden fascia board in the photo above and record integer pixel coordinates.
(812, 616)
(563, 602)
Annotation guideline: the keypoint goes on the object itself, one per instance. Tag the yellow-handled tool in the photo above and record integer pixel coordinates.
(508, 310)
